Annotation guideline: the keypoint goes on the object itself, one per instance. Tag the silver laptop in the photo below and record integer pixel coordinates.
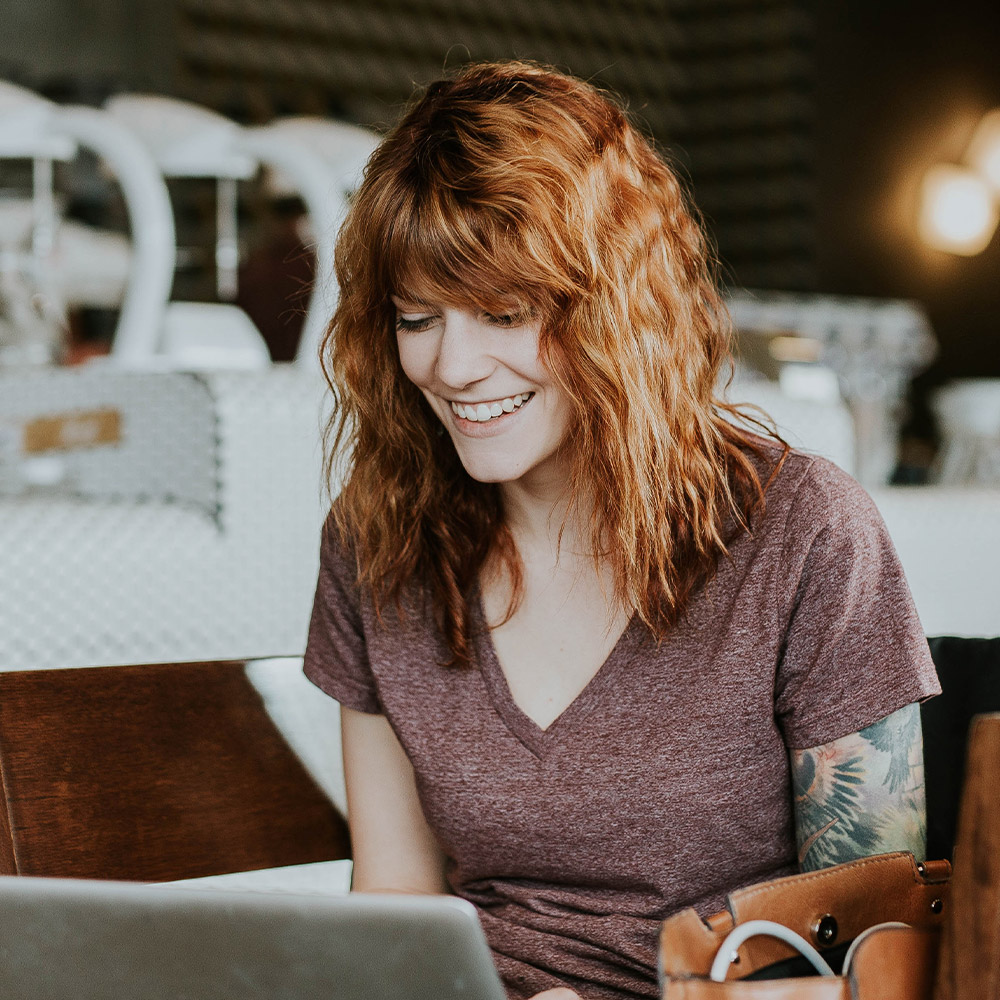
(71, 939)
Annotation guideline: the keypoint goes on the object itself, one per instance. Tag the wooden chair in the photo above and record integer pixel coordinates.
(152, 773)
(969, 965)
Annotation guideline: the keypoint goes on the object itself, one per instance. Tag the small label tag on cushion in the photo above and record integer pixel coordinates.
(70, 431)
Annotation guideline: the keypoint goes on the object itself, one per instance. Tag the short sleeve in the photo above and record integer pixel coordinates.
(336, 657)
(854, 649)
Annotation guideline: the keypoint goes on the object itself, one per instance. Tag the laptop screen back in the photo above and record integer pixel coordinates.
(66, 939)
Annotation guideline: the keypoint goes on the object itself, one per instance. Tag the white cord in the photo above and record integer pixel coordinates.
(727, 952)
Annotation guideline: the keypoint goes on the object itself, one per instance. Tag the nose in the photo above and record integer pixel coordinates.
(462, 358)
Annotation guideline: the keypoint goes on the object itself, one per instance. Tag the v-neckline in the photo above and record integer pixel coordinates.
(522, 725)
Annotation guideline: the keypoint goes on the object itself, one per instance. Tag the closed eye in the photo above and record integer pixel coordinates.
(505, 319)
(413, 324)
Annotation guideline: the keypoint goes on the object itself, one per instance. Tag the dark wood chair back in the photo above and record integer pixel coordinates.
(152, 773)
(969, 965)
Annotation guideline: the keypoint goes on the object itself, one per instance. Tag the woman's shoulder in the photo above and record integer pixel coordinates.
(808, 483)
(820, 490)
(342, 565)
(338, 551)
(807, 497)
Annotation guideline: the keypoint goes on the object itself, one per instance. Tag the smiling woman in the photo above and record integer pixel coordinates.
(484, 378)
(604, 646)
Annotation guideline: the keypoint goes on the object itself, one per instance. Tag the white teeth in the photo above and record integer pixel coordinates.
(480, 412)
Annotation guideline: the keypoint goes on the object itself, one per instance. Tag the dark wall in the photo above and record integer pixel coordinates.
(82, 49)
(901, 85)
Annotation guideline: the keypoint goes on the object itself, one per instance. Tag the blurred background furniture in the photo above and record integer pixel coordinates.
(160, 517)
(166, 505)
(869, 349)
(55, 265)
(968, 412)
(152, 773)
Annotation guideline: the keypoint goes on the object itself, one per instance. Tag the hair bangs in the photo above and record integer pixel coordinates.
(444, 247)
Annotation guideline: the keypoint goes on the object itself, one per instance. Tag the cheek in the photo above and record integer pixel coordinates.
(562, 417)
(415, 360)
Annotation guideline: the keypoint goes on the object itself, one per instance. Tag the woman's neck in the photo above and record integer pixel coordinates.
(541, 519)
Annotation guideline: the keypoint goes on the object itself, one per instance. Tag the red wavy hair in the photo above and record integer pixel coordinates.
(511, 181)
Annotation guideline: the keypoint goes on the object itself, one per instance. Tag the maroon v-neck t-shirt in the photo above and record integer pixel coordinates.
(665, 783)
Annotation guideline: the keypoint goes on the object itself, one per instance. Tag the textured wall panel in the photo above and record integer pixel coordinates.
(364, 58)
(744, 122)
(727, 84)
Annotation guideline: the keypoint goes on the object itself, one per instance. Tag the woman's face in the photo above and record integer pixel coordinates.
(484, 378)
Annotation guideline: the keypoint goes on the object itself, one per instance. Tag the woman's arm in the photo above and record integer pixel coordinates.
(862, 794)
(394, 849)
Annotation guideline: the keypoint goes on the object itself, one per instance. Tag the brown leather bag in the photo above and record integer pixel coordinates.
(865, 901)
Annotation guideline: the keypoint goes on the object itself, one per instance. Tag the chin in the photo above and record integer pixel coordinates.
(484, 472)
(491, 468)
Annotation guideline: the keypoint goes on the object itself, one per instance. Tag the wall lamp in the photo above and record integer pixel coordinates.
(960, 204)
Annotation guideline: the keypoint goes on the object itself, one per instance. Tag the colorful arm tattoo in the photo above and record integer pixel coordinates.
(862, 794)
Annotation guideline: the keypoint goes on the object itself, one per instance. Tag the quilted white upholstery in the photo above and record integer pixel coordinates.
(195, 538)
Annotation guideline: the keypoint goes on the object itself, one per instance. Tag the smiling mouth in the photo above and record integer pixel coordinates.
(483, 412)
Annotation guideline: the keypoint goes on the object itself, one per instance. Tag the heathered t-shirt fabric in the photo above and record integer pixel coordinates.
(665, 784)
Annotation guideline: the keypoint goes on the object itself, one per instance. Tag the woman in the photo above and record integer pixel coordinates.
(603, 651)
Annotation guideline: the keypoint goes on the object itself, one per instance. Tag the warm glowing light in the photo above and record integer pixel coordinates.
(958, 212)
(984, 149)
